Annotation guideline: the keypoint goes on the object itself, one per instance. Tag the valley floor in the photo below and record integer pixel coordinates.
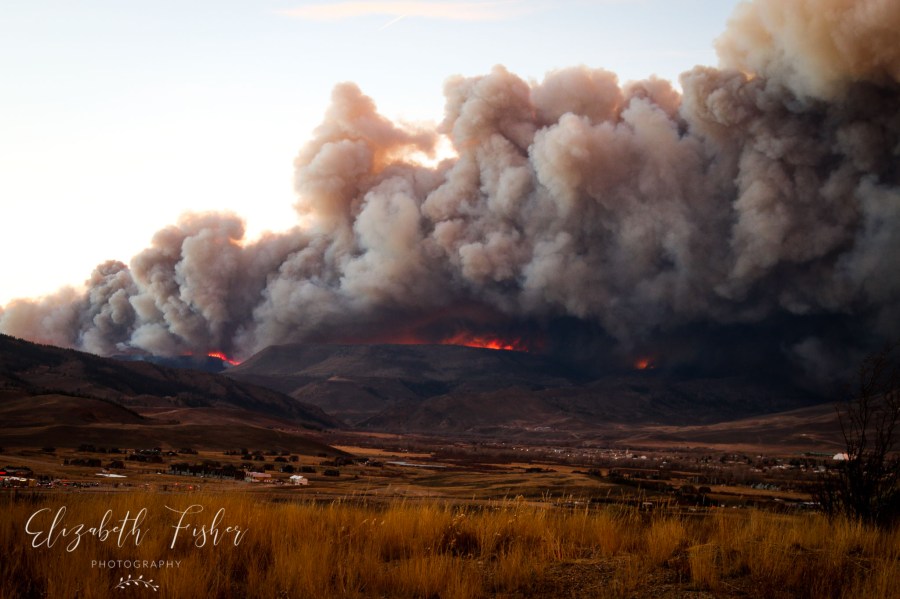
(399, 516)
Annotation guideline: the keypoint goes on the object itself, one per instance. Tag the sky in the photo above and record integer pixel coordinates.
(116, 117)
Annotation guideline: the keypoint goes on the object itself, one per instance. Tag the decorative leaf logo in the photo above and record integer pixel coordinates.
(138, 582)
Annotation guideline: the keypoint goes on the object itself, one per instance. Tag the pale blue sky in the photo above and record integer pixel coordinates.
(118, 115)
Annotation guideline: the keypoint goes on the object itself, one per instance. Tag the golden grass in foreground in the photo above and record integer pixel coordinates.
(431, 550)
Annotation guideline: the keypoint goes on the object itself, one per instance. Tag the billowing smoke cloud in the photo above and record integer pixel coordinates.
(764, 199)
(816, 48)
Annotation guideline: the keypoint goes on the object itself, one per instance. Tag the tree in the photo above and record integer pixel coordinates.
(866, 485)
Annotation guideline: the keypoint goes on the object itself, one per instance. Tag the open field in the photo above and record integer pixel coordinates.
(388, 467)
(266, 546)
(408, 516)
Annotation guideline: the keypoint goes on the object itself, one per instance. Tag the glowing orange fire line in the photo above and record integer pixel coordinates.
(485, 342)
(219, 355)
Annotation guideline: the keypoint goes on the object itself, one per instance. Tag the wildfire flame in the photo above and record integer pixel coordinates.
(461, 337)
(644, 364)
(485, 342)
(221, 356)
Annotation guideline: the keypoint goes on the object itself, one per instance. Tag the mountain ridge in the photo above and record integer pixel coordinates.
(457, 389)
(57, 395)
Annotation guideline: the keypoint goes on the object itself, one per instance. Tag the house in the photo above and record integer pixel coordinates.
(296, 479)
(257, 477)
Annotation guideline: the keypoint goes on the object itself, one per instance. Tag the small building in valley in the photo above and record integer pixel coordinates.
(257, 477)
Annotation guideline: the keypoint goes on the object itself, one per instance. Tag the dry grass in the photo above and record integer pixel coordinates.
(437, 550)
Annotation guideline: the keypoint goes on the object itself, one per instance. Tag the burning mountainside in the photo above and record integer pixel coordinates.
(756, 215)
(486, 342)
(221, 356)
(644, 364)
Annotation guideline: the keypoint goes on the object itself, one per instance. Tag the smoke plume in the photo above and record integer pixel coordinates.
(758, 210)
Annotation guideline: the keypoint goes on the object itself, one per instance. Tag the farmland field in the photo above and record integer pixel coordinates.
(460, 521)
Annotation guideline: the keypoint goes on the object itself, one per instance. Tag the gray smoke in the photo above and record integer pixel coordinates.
(766, 194)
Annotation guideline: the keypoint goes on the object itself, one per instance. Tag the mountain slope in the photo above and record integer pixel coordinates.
(357, 382)
(46, 390)
(638, 399)
(463, 390)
